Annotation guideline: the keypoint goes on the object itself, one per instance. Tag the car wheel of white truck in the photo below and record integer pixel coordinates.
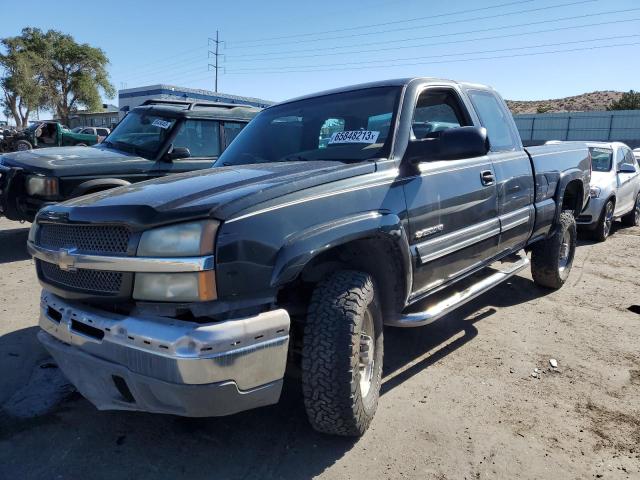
(552, 259)
(342, 354)
(605, 222)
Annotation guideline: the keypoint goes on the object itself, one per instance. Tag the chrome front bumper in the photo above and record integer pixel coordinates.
(163, 365)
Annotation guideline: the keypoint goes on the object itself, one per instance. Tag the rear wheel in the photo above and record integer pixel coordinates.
(342, 354)
(552, 259)
(632, 219)
(605, 222)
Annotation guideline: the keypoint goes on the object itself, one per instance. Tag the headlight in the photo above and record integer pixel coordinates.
(33, 232)
(594, 192)
(42, 186)
(182, 240)
(175, 287)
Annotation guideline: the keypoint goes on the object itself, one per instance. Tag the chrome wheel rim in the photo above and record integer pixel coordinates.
(636, 216)
(608, 219)
(22, 147)
(565, 252)
(366, 354)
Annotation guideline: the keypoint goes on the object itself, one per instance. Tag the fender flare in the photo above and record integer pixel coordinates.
(565, 179)
(89, 185)
(301, 247)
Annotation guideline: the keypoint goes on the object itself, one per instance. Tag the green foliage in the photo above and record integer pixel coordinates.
(628, 101)
(20, 83)
(544, 109)
(58, 73)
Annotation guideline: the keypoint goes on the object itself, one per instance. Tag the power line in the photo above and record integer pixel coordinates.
(386, 65)
(439, 35)
(449, 42)
(414, 19)
(477, 52)
(581, 2)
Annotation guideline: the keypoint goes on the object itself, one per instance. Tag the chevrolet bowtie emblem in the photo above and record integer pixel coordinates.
(66, 260)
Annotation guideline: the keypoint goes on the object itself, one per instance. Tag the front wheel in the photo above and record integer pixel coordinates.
(632, 219)
(605, 222)
(342, 354)
(552, 259)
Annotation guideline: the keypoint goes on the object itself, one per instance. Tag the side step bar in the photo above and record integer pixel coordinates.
(459, 298)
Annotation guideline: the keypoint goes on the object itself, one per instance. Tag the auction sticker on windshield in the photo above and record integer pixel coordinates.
(161, 123)
(354, 136)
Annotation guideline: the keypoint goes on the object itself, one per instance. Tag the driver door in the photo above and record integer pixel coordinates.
(452, 204)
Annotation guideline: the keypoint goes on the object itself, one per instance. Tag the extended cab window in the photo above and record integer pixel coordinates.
(349, 126)
(201, 137)
(494, 118)
(437, 110)
(231, 131)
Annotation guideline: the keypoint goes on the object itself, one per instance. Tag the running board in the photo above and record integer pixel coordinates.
(452, 301)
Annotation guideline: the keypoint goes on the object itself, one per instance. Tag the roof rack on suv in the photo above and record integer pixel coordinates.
(188, 105)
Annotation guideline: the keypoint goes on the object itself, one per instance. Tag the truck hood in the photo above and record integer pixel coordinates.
(218, 192)
(75, 161)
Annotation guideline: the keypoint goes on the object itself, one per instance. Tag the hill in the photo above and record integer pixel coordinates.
(580, 103)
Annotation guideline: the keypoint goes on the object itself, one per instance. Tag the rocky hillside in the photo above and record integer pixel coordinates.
(580, 103)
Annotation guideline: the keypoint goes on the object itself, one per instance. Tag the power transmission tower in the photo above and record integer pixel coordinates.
(216, 41)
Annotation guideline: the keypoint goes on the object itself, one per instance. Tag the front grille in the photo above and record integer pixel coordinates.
(84, 280)
(103, 239)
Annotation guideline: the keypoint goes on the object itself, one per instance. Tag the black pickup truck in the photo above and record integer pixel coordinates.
(160, 137)
(328, 217)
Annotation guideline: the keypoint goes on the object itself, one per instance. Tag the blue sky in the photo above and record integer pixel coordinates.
(281, 49)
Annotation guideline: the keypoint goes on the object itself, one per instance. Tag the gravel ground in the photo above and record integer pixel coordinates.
(458, 398)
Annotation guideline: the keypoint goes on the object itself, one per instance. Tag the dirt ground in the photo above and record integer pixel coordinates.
(458, 398)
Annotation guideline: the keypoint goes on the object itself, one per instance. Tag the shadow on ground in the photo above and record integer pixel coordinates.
(73, 440)
(13, 245)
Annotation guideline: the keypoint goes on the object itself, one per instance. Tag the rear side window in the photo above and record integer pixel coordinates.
(201, 137)
(494, 118)
(231, 131)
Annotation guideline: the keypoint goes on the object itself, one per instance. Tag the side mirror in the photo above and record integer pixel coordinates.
(627, 168)
(452, 144)
(178, 152)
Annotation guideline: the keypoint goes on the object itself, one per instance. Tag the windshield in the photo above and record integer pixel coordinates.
(601, 159)
(141, 133)
(350, 126)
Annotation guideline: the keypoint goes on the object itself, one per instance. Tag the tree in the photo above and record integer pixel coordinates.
(21, 85)
(69, 75)
(628, 101)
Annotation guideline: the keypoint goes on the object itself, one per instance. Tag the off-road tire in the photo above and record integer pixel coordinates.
(632, 219)
(602, 231)
(331, 354)
(546, 254)
(24, 144)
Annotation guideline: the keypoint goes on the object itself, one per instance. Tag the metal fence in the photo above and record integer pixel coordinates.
(618, 125)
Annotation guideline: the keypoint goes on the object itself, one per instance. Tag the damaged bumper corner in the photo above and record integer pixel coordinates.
(163, 365)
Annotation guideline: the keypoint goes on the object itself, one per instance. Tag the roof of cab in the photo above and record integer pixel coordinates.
(396, 82)
(213, 110)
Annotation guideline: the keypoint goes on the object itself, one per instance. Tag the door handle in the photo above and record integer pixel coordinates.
(487, 178)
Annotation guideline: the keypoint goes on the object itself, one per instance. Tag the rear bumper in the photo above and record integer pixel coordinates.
(162, 365)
